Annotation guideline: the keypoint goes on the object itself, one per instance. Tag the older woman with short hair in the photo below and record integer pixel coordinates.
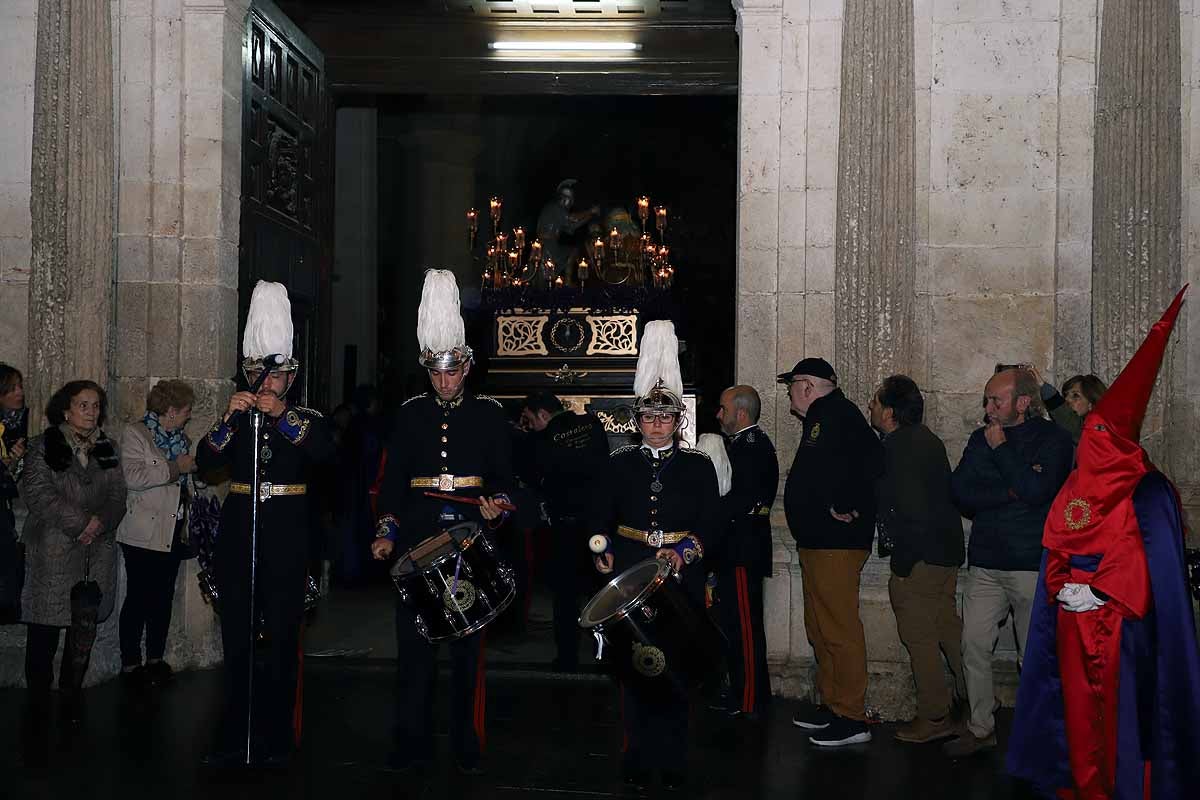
(156, 462)
(75, 491)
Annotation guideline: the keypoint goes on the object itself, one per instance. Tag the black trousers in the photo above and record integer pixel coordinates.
(41, 645)
(740, 615)
(150, 594)
(416, 673)
(279, 604)
(567, 551)
(656, 727)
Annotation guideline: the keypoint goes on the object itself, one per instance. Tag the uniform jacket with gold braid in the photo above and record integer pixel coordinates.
(289, 449)
(461, 446)
(675, 494)
(754, 485)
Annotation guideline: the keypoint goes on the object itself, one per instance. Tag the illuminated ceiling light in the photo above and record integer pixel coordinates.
(560, 47)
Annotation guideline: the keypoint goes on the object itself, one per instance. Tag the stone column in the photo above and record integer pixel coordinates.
(875, 249)
(1136, 211)
(71, 203)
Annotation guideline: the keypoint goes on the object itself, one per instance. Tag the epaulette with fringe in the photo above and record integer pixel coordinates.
(491, 399)
(414, 397)
(311, 411)
(696, 451)
(624, 449)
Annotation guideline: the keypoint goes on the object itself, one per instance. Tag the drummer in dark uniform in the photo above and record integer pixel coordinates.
(453, 442)
(662, 502)
(291, 443)
(569, 457)
(745, 559)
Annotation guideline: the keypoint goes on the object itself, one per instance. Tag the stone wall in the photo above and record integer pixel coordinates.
(177, 105)
(18, 33)
(1004, 108)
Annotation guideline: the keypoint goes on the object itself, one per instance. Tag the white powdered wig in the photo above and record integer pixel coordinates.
(269, 322)
(439, 321)
(713, 444)
(658, 357)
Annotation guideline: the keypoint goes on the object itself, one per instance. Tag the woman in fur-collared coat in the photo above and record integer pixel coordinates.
(75, 491)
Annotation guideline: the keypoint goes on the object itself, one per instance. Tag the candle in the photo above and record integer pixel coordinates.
(583, 270)
(598, 250)
(663, 252)
(643, 204)
(519, 238)
(501, 242)
(535, 251)
(660, 217)
(614, 239)
(472, 220)
(496, 205)
(558, 282)
(513, 257)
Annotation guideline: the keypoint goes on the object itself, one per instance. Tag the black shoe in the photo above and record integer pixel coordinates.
(635, 777)
(159, 673)
(814, 717)
(674, 781)
(841, 732)
(737, 713)
(469, 768)
(71, 710)
(402, 761)
(224, 759)
(134, 679)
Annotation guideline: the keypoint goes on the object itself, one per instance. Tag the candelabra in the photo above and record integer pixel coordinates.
(508, 264)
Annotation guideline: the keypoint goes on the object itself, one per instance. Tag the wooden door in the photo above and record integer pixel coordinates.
(287, 186)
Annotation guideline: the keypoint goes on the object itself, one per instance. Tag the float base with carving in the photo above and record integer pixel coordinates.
(586, 356)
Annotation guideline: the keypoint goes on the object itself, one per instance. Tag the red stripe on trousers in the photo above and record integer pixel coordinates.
(743, 592)
(480, 718)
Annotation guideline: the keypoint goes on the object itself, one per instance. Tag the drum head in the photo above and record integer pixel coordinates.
(443, 544)
(624, 592)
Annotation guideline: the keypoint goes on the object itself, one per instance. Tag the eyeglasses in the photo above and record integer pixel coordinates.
(649, 418)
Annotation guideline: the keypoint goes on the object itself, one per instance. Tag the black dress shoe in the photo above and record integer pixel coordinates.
(674, 781)
(635, 778)
(224, 759)
(159, 673)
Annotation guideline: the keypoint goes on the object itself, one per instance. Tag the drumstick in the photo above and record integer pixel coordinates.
(475, 501)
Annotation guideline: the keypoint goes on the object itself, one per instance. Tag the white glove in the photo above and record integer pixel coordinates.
(1078, 597)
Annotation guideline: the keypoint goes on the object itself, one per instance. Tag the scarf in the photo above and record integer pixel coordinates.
(81, 444)
(172, 443)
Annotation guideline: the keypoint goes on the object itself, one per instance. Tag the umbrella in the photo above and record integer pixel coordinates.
(85, 608)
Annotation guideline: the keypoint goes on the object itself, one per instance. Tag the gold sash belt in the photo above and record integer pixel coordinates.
(652, 538)
(446, 483)
(268, 490)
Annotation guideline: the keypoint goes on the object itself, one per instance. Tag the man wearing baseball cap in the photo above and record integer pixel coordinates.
(830, 505)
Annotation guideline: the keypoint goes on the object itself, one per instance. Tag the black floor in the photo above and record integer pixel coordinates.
(547, 738)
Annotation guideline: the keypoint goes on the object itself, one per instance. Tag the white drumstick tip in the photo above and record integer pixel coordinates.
(598, 544)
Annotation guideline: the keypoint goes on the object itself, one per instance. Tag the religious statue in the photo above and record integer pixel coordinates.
(556, 226)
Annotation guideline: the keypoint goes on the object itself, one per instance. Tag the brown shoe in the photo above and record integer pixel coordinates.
(922, 730)
(968, 744)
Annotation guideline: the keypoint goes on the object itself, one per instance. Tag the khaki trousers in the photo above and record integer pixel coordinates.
(929, 626)
(987, 597)
(830, 580)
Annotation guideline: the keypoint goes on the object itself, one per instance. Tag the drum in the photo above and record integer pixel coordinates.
(454, 582)
(648, 631)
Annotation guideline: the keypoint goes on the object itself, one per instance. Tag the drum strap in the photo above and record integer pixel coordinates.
(668, 537)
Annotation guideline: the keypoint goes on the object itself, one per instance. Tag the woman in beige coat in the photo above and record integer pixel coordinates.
(75, 492)
(156, 462)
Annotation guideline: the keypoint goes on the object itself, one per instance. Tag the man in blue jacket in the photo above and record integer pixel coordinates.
(1009, 473)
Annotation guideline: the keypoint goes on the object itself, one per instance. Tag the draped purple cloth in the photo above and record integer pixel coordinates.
(1158, 717)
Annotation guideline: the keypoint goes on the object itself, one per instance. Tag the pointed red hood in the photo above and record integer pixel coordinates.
(1094, 506)
(1123, 406)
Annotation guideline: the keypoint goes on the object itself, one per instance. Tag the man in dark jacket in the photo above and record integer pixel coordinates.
(570, 454)
(917, 516)
(745, 560)
(829, 499)
(1009, 473)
